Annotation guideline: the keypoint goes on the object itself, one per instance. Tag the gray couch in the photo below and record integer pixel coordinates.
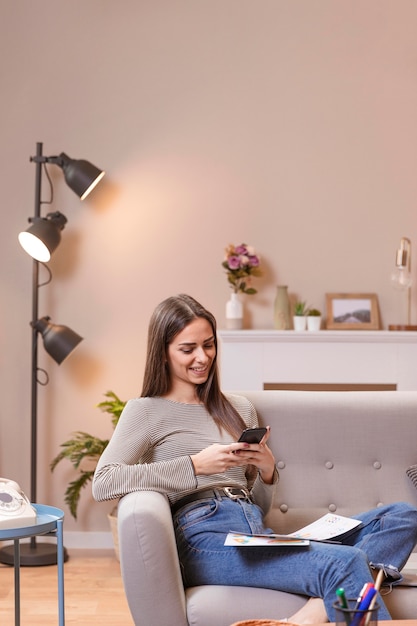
(341, 452)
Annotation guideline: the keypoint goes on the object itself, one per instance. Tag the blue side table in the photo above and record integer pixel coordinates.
(49, 521)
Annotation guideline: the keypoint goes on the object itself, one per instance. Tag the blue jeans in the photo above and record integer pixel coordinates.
(387, 536)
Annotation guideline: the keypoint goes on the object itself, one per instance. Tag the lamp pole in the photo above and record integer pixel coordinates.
(35, 313)
(34, 553)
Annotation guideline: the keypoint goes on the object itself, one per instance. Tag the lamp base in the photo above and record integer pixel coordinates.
(31, 556)
(409, 327)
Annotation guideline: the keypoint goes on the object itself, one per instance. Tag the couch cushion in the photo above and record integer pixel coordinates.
(216, 605)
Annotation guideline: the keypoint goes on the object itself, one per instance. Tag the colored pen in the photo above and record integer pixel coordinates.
(378, 583)
(367, 599)
(344, 604)
(367, 619)
(364, 606)
(363, 593)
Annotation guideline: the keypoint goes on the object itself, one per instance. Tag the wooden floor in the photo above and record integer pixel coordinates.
(93, 592)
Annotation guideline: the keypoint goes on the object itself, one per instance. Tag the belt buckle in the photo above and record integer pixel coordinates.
(235, 496)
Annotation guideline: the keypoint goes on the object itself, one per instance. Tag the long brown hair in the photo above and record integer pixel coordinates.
(169, 318)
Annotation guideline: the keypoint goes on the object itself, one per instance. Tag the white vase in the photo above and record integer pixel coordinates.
(300, 322)
(234, 312)
(313, 322)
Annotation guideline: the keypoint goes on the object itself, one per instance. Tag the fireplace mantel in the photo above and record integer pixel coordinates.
(253, 359)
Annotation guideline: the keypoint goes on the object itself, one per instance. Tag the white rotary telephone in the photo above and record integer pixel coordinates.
(15, 508)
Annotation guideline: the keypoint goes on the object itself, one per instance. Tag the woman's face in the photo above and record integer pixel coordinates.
(190, 355)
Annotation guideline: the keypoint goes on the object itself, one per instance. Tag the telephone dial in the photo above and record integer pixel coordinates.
(15, 508)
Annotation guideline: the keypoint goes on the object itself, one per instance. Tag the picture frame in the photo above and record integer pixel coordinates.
(352, 311)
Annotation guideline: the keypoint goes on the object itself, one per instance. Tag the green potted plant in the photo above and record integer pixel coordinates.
(83, 451)
(299, 317)
(313, 319)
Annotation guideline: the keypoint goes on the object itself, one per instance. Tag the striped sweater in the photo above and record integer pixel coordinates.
(151, 447)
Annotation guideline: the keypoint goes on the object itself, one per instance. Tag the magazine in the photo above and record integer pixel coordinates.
(240, 539)
(325, 529)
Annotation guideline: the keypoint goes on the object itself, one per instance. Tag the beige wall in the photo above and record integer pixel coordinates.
(287, 124)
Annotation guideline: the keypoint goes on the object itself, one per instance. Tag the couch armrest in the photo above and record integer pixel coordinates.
(149, 560)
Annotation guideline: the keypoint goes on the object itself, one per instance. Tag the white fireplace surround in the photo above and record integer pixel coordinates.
(256, 359)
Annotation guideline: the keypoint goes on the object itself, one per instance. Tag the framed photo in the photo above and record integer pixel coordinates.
(352, 311)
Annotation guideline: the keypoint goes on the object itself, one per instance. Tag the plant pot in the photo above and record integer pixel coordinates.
(313, 322)
(300, 322)
(112, 517)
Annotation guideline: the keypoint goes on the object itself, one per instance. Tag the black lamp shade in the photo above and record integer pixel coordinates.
(59, 341)
(81, 176)
(43, 236)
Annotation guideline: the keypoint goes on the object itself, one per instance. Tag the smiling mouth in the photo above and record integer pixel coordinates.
(199, 370)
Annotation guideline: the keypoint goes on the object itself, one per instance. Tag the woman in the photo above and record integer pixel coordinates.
(180, 438)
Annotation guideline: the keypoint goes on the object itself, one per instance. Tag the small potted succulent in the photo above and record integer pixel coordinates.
(299, 317)
(313, 319)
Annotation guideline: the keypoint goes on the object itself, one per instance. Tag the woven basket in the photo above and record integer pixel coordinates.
(260, 622)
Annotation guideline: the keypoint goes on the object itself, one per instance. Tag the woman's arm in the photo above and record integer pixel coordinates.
(120, 469)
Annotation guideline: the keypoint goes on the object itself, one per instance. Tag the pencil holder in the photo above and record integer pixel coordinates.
(352, 616)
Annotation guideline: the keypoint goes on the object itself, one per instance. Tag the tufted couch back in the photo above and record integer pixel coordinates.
(339, 452)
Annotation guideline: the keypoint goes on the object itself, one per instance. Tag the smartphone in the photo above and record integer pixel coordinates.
(253, 435)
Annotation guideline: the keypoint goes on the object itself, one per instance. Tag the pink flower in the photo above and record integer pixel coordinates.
(233, 262)
(241, 263)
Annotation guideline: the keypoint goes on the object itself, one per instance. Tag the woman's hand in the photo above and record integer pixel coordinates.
(218, 458)
(259, 455)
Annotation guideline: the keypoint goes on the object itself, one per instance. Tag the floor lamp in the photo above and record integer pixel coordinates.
(39, 241)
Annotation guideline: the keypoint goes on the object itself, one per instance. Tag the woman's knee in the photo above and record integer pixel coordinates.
(404, 511)
(348, 563)
(412, 510)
